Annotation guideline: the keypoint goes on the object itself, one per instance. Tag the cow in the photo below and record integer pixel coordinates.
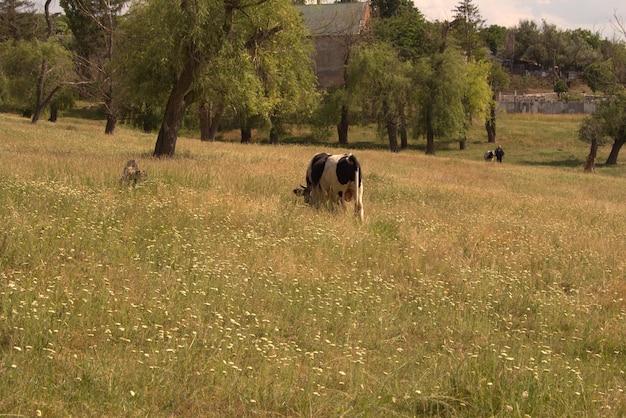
(335, 178)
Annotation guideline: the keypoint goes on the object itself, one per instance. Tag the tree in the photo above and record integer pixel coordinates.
(43, 97)
(494, 37)
(498, 81)
(21, 63)
(380, 79)
(561, 87)
(581, 49)
(591, 131)
(526, 41)
(477, 94)
(94, 24)
(280, 56)
(187, 37)
(384, 9)
(407, 31)
(18, 21)
(552, 48)
(466, 26)
(609, 119)
(34, 70)
(440, 88)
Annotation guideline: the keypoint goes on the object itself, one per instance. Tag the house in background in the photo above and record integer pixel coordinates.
(335, 28)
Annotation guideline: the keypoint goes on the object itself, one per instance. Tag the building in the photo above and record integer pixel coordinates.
(335, 29)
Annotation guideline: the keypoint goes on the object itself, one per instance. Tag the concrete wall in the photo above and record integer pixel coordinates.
(547, 104)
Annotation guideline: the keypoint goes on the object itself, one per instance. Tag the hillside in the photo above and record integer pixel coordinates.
(209, 289)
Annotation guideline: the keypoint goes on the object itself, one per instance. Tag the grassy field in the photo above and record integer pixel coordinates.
(471, 289)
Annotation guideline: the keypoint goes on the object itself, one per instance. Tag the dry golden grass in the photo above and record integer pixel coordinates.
(209, 289)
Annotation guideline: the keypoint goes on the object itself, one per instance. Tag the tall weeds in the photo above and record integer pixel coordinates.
(209, 289)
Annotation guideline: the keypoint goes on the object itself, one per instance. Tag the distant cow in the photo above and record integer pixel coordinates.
(336, 178)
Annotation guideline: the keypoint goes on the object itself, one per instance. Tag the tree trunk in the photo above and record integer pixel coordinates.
(404, 138)
(617, 145)
(246, 134)
(40, 86)
(109, 129)
(209, 123)
(342, 128)
(54, 113)
(204, 116)
(274, 130)
(490, 123)
(273, 136)
(590, 164)
(177, 103)
(392, 127)
(463, 143)
(215, 122)
(41, 102)
(180, 96)
(430, 134)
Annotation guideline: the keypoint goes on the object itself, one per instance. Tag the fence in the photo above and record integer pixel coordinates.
(547, 104)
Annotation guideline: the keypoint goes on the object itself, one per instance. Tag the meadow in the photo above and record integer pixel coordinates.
(470, 290)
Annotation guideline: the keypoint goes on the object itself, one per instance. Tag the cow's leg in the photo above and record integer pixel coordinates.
(315, 195)
(358, 199)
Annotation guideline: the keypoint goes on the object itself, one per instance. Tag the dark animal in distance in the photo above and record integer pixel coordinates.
(334, 178)
(132, 174)
(490, 156)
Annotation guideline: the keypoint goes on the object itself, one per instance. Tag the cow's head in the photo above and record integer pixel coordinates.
(303, 191)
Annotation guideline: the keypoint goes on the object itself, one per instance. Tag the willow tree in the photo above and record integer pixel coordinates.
(477, 94)
(381, 80)
(440, 81)
(186, 37)
(498, 81)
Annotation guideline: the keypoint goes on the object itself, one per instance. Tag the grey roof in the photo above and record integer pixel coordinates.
(336, 18)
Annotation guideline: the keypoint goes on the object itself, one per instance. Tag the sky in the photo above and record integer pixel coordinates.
(595, 15)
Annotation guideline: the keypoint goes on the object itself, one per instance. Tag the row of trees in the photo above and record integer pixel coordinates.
(161, 64)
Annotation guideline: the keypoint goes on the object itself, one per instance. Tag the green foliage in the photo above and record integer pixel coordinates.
(19, 22)
(611, 115)
(441, 85)
(478, 95)
(381, 82)
(385, 9)
(466, 27)
(561, 87)
(591, 131)
(407, 30)
(498, 78)
(377, 74)
(20, 63)
(493, 36)
(260, 67)
(282, 63)
(600, 77)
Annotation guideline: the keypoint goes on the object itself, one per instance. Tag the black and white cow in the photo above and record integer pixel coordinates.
(336, 178)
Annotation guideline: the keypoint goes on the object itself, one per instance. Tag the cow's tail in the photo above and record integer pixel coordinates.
(357, 175)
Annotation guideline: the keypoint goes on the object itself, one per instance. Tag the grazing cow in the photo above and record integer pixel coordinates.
(336, 178)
